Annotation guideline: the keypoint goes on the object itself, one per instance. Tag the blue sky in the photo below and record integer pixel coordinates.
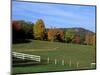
(55, 15)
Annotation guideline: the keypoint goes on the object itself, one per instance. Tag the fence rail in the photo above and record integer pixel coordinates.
(26, 56)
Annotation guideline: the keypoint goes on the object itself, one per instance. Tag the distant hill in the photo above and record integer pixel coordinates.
(79, 31)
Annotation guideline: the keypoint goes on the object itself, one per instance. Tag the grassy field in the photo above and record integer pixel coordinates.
(84, 55)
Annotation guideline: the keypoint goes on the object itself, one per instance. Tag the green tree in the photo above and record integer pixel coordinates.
(39, 29)
(69, 35)
(28, 29)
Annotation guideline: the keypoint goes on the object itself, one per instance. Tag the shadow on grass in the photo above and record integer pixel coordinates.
(19, 41)
(24, 63)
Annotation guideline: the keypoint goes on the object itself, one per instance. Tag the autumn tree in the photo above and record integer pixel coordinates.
(55, 35)
(16, 25)
(76, 39)
(51, 35)
(21, 31)
(94, 40)
(89, 38)
(17, 33)
(60, 35)
(39, 29)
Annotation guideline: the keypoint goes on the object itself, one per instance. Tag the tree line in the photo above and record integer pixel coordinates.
(23, 31)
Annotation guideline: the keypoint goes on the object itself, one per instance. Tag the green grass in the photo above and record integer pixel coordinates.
(84, 54)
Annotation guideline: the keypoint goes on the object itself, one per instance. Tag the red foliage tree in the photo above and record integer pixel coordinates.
(16, 25)
(76, 39)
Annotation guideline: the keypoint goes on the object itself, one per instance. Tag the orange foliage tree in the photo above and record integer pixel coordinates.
(94, 40)
(89, 39)
(55, 35)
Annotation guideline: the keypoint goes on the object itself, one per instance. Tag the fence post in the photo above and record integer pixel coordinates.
(48, 60)
(77, 64)
(23, 56)
(39, 59)
(55, 61)
(62, 62)
(70, 63)
(93, 64)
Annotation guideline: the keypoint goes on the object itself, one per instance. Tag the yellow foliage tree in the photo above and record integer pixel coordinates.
(39, 29)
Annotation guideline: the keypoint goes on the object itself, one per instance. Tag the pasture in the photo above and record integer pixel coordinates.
(56, 56)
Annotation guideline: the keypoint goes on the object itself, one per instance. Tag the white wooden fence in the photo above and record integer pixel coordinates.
(26, 56)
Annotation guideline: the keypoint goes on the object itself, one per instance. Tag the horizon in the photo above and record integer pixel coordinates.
(57, 27)
(56, 15)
